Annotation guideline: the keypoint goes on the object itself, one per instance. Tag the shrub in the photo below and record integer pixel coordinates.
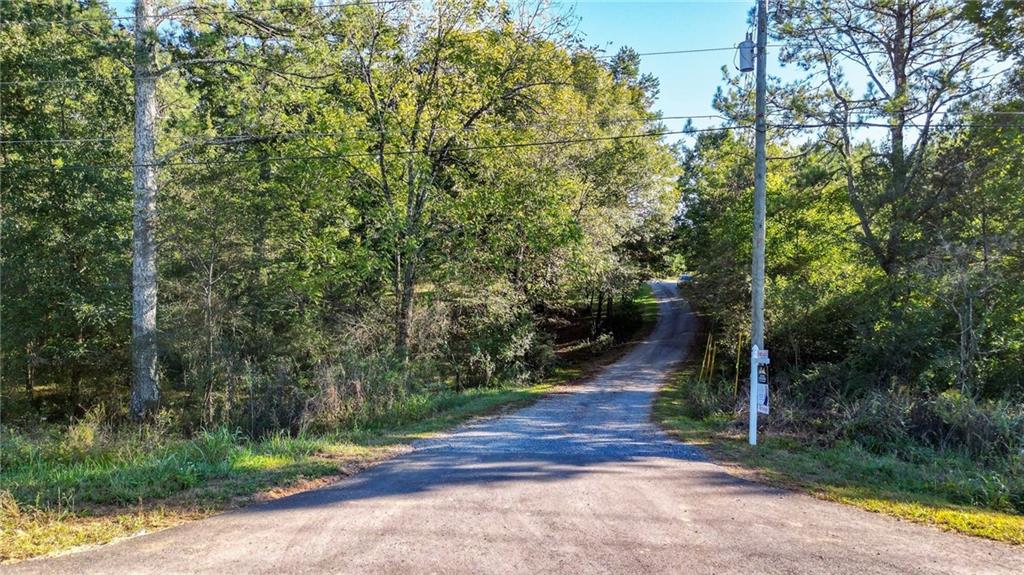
(16, 450)
(215, 448)
(704, 398)
(8, 505)
(992, 432)
(877, 422)
(84, 435)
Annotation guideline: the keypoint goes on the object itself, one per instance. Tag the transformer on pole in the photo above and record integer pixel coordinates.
(747, 48)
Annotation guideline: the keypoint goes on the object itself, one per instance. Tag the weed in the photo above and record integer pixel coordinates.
(917, 482)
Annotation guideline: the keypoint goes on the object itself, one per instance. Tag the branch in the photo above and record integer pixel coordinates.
(205, 61)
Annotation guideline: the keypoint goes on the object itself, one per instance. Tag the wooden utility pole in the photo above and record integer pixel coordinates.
(145, 387)
(760, 173)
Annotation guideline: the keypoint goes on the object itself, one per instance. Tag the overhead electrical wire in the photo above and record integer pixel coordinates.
(225, 139)
(401, 152)
(69, 21)
(100, 80)
(406, 152)
(230, 139)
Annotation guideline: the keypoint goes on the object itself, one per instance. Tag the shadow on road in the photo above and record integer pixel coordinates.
(591, 430)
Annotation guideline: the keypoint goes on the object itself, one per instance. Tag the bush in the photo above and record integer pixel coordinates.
(16, 450)
(991, 432)
(876, 422)
(213, 448)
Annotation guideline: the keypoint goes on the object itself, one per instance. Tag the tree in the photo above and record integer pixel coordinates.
(66, 280)
(920, 58)
(145, 392)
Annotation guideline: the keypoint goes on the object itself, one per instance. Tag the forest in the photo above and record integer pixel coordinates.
(356, 202)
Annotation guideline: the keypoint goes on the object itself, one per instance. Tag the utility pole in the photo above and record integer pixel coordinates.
(760, 173)
(145, 390)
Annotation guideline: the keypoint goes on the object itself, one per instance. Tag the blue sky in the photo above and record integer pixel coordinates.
(688, 81)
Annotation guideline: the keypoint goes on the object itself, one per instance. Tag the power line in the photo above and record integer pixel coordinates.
(226, 139)
(405, 152)
(71, 21)
(601, 57)
(693, 51)
(65, 81)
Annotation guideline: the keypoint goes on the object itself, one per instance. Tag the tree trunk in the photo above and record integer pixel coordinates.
(145, 391)
(30, 371)
(897, 154)
(208, 320)
(75, 409)
(405, 303)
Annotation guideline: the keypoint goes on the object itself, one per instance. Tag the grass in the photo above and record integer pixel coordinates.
(55, 499)
(938, 489)
(84, 485)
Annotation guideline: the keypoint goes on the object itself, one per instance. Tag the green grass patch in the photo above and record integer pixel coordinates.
(87, 485)
(647, 304)
(939, 489)
(54, 499)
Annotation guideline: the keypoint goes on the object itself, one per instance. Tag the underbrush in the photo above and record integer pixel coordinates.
(91, 482)
(945, 461)
(98, 479)
(90, 462)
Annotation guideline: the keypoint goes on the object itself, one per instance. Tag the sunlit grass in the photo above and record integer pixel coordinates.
(939, 489)
(57, 494)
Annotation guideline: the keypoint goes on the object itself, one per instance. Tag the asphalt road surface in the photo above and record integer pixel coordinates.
(580, 482)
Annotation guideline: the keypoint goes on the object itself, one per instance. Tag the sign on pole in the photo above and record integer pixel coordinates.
(759, 360)
(762, 389)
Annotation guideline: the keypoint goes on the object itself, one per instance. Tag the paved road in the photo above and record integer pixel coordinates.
(580, 482)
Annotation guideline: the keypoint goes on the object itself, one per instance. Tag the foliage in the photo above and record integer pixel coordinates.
(359, 204)
(66, 232)
(932, 486)
(94, 480)
(894, 283)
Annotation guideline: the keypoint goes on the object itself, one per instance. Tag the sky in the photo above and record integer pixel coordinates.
(688, 81)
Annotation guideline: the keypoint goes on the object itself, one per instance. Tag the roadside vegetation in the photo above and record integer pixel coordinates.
(941, 487)
(375, 220)
(94, 481)
(895, 281)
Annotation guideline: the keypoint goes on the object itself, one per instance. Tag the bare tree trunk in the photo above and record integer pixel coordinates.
(30, 371)
(405, 303)
(145, 390)
(76, 378)
(208, 320)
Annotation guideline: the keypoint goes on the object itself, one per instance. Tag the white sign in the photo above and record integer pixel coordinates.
(762, 398)
(762, 357)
